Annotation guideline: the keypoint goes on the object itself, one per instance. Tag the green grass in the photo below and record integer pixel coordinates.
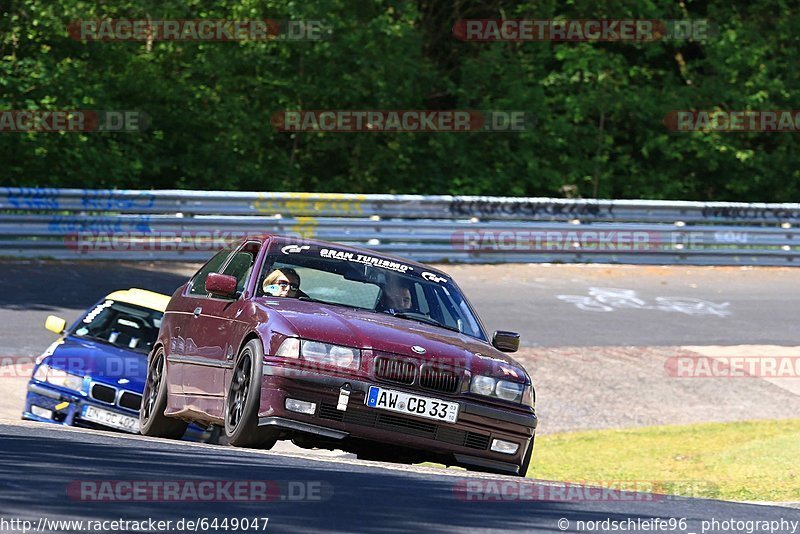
(754, 460)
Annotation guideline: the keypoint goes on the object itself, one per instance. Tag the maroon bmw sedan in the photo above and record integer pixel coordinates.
(337, 347)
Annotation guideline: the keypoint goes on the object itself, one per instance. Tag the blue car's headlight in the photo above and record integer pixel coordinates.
(501, 389)
(58, 377)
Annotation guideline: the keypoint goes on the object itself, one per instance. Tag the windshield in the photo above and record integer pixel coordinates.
(121, 324)
(367, 282)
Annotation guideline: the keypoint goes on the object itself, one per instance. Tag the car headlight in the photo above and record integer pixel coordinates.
(502, 389)
(58, 377)
(290, 348)
(328, 354)
(482, 385)
(41, 372)
(319, 352)
(510, 391)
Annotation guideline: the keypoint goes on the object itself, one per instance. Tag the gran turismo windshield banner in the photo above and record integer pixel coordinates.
(356, 258)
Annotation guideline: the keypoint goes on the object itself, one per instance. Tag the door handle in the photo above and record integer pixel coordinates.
(197, 311)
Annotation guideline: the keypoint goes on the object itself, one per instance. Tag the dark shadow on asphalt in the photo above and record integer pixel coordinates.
(39, 465)
(54, 285)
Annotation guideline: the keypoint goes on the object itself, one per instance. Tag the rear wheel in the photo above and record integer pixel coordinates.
(152, 421)
(242, 401)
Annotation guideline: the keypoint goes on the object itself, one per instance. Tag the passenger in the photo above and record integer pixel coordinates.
(283, 282)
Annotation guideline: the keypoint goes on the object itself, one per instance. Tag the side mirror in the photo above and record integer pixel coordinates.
(221, 285)
(55, 324)
(505, 341)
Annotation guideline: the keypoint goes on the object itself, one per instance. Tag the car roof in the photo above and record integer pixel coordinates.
(141, 297)
(347, 248)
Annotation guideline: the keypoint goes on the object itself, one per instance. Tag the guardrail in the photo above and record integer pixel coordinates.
(188, 225)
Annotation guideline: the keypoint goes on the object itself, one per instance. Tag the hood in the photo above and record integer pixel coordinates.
(100, 361)
(381, 332)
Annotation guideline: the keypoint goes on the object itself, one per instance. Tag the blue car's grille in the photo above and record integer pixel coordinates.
(131, 401)
(108, 394)
(103, 393)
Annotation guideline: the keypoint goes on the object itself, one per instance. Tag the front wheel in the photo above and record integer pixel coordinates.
(526, 460)
(242, 401)
(152, 421)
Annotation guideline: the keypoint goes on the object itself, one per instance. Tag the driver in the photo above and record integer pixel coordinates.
(397, 298)
(283, 282)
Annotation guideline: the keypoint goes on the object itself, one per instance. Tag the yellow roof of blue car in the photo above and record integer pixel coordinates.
(141, 297)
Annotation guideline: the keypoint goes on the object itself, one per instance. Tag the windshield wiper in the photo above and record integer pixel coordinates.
(422, 319)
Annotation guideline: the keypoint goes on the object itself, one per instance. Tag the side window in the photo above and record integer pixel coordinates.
(241, 265)
(213, 266)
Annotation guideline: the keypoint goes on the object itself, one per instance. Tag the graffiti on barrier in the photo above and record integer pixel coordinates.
(45, 198)
(42, 198)
(750, 212)
(311, 204)
(566, 209)
(60, 224)
(101, 200)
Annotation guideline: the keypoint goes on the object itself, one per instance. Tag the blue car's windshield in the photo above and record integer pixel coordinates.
(121, 324)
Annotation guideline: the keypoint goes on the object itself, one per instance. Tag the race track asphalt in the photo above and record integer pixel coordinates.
(44, 468)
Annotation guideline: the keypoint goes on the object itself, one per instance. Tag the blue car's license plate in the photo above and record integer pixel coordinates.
(112, 419)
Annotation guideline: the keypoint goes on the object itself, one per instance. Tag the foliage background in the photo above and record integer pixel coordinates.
(598, 106)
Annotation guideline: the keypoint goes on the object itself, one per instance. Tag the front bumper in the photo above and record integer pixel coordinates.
(50, 398)
(466, 442)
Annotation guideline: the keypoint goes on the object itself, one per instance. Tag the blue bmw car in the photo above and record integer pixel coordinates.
(93, 375)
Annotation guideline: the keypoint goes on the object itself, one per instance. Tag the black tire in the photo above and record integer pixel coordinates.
(217, 436)
(242, 401)
(526, 460)
(152, 421)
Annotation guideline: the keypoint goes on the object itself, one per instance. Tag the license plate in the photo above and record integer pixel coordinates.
(112, 419)
(397, 401)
